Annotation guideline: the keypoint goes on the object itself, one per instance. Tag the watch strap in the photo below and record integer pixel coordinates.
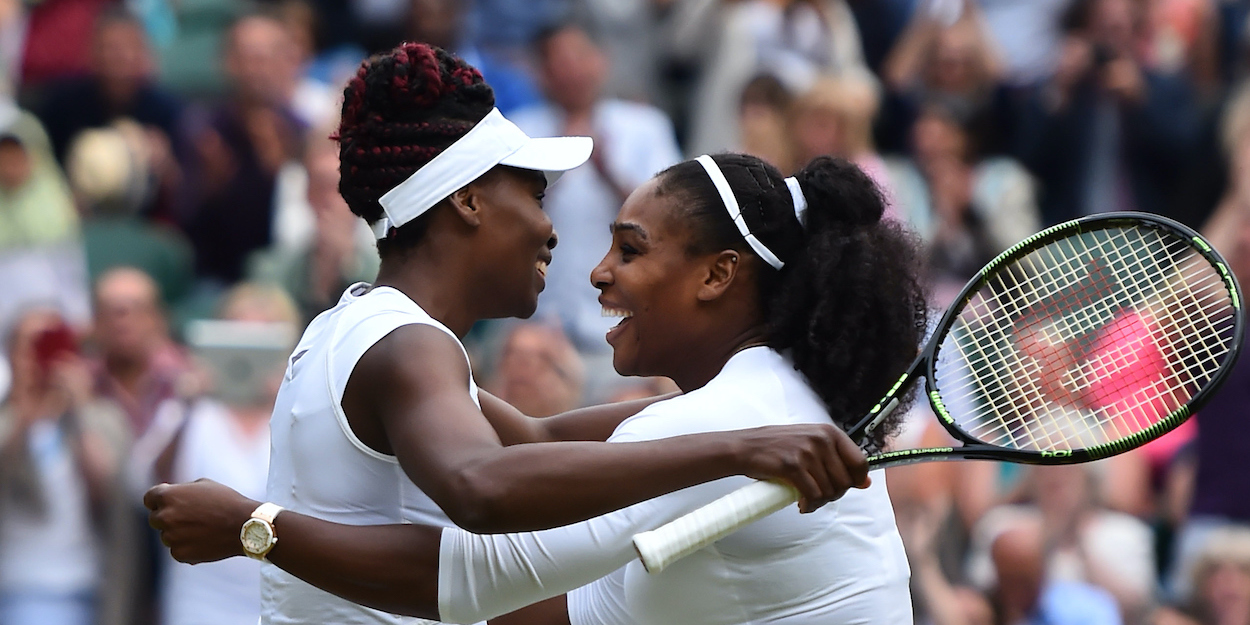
(267, 512)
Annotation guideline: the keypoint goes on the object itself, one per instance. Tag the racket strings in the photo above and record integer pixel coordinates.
(1133, 407)
(1126, 327)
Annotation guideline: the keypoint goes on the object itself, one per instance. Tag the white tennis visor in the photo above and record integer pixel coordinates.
(493, 141)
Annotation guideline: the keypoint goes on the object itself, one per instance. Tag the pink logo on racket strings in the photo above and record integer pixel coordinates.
(1130, 381)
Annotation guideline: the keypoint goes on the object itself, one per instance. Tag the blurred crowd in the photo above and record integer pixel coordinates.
(170, 221)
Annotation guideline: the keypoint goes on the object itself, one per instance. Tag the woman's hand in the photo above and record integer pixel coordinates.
(821, 461)
(199, 521)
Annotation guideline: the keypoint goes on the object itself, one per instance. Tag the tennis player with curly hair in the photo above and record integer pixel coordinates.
(769, 301)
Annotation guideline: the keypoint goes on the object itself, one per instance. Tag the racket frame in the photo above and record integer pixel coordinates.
(972, 448)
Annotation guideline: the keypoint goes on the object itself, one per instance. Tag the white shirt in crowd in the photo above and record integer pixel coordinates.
(841, 564)
(53, 552)
(317, 464)
(213, 445)
(636, 141)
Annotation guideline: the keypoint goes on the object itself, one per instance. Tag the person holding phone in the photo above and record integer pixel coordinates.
(61, 508)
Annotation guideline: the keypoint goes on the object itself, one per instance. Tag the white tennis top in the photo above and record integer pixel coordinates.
(841, 564)
(318, 466)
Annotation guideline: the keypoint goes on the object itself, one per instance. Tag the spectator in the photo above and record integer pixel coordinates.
(936, 598)
(627, 32)
(442, 23)
(328, 59)
(317, 95)
(61, 450)
(1024, 595)
(1183, 36)
(632, 142)
(139, 367)
(41, 257)
(110, 175)
(1085, 542)
(1220, 584)
(1105, 132)
(119, 85)
(225, 440)
(763, 113)
(240, 148)
(954, 64)
(538, 371)
(834, 117)
(340, 252)
(966, 207)
(795, 40)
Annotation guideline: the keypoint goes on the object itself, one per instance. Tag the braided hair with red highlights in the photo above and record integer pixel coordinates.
(400, 110)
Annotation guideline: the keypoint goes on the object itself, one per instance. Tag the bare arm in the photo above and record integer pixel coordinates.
(393, 568)
(594, 423)
(553, 611)
(453, 454)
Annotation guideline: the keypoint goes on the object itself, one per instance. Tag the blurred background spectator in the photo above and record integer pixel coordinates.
(1219, 584)
(951, 64)
(1084, 540)
(119, 85)
(168, 151)
(633, 141)
(795, 40)
(967, 207)
(62, 447)
(315, 269)
(41, 254)
(538, 371)
(1106, 132)
(239, 148)
(138, 366)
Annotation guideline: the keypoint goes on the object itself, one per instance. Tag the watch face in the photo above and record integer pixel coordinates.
(257, 536)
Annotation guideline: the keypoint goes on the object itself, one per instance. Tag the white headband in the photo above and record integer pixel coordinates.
(800, 200)
(493, 141)
(731, 205)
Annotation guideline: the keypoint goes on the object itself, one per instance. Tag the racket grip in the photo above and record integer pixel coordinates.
(687, 534)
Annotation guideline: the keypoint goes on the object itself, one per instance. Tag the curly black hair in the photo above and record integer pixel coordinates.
(848, 307)
(400, 110)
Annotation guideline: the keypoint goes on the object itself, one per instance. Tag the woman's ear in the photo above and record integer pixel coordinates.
(465, 202)
(721, 271)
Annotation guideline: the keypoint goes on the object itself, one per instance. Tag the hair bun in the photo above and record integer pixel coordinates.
(838, 191)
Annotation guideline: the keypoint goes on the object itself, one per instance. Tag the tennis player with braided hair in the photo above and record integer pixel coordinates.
(769, 300)
(378, 419)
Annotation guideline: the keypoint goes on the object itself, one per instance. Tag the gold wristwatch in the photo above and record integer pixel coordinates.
(258, 536)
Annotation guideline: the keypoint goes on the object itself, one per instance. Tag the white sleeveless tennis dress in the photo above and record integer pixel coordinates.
(318, 466)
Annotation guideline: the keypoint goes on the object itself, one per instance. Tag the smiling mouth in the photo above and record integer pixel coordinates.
(541, 267)
(616, 312)
(623, 314)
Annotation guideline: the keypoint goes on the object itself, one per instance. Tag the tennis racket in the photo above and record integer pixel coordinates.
(1085, 340)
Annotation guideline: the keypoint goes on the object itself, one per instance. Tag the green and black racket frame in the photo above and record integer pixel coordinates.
(1085, 340)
